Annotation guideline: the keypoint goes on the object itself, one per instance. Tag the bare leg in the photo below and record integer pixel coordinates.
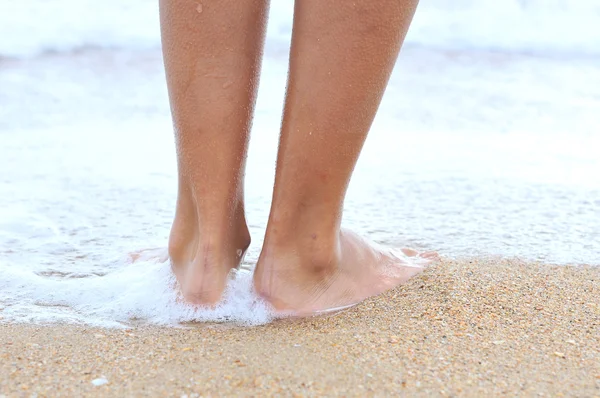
(342, 55)
(212, 51)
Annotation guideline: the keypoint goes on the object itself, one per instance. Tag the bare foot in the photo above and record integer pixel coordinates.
(203, 254)
(304, 283)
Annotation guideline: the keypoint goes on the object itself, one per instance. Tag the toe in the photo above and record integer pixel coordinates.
(409, 252)
(430, 255)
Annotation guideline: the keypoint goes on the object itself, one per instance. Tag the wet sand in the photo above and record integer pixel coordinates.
(467, 328)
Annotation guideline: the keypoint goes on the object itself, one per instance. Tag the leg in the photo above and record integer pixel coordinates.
(212, 51)
(342, 55)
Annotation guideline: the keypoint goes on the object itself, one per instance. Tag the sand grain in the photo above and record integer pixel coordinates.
(463, 328)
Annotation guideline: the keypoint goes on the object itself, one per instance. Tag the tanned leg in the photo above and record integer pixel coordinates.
(341, 58)
(212, 51)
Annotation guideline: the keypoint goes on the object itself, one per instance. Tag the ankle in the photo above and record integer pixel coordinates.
(197, 229)
(305, 247)
(304, 221)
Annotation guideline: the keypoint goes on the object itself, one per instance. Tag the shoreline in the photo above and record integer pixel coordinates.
(469, 327)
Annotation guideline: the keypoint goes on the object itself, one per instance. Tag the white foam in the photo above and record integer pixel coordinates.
(143, 291)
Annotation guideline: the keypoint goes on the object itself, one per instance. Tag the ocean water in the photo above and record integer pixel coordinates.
(486, 144)
(529, 26)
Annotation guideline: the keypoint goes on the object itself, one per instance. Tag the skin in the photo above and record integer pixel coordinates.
(212, 56)
(341, 58)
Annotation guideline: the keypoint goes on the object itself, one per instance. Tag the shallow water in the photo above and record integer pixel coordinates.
(566, 27)
(473, 153)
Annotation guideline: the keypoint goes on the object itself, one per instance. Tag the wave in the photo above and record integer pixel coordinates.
(537, 26)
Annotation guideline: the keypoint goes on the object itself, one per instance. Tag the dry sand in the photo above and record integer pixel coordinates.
(468, 328)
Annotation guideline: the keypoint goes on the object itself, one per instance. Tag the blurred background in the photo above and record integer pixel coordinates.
(486, 144)
(550, 27)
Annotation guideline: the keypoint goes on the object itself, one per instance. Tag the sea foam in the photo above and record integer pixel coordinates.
(144, 291)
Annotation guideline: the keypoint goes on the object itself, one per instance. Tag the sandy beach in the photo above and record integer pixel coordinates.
(485, 144)
(463, 328)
